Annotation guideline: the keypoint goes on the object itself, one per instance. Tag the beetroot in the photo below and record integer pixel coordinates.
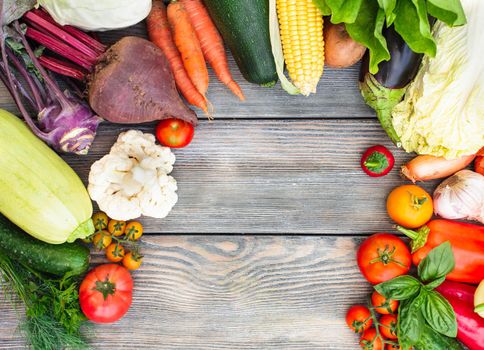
(133, 83)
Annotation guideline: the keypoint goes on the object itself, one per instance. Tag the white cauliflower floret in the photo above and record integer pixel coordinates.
(132, 180)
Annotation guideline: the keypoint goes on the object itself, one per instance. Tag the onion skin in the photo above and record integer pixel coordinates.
(424, 168)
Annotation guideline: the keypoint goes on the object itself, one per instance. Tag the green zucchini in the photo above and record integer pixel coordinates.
(56, 259)
(244, 26)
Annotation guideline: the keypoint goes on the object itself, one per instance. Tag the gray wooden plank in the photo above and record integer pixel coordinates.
(337, 97)
(225, 292)
(271, 177)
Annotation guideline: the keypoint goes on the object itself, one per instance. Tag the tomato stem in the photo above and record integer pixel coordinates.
(105, 287)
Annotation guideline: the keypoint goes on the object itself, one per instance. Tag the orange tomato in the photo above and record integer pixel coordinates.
(134, 230)
(410, 206)
(102, 239)
(383, 305)
(115, 252)
(116, 228)
(132, 261)
(392, 347)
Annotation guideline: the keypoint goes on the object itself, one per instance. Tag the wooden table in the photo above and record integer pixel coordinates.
(259, 252)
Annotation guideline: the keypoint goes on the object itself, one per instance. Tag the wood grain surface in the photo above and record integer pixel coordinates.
(225, 292)
(272, 177)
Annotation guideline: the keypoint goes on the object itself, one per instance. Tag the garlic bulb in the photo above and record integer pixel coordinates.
(461, 196)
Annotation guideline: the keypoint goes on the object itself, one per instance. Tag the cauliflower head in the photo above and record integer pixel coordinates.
(132, 180)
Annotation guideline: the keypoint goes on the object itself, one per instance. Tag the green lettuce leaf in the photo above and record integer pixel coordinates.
(448, 11)
(413, 25)
(341, 11)
(367, 30)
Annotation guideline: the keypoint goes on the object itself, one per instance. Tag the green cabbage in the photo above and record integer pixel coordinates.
(442, 113)
(97, 15)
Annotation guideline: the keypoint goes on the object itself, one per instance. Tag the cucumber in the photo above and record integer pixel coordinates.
(244, 26)
(56, 259)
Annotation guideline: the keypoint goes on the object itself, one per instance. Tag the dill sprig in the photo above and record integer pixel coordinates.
(53, 318)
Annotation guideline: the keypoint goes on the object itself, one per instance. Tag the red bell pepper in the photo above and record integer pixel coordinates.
(469, 324)
(467, 242)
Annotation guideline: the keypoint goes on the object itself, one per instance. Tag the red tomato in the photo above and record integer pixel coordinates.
(383, 305)
(358, 318)
(392, 347)
(382, 257)
(370, 341)
(106, 293)
(388, 326)
(479, 165)
(174, 133)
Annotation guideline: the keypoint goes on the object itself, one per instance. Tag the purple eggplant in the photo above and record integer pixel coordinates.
(385, 89)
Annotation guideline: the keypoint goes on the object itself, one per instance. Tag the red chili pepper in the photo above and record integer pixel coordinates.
(377, 161)
(469, 324)
(467, 242)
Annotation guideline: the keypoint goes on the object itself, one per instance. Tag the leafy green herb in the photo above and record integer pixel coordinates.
(423, 313)
(399, 288)
(431, 340)
(53, 319)
(366, 19)
(439, 314)
(411, 320)
(438, 263)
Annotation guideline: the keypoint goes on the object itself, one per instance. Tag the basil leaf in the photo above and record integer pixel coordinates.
(410, 319)
(448, 11)
(438, 263)
(412, 24)
(439, 314)
(435, 283)
(367, 30)
(399, 288)
(431, 340)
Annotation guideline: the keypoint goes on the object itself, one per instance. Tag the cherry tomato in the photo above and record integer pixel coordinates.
(116, 228)
(115, 252)
(410, 206)
(134, 230)
(392, 347)
(370, 341)
(388, 326)
(358, 318)
(479, 165)
(382, 257)
(102, 239)
(383, 305)
(100, 221)
(106, 293)
(174, 133)
(132, 261)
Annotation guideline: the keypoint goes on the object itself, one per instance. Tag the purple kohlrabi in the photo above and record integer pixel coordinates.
(64, 121)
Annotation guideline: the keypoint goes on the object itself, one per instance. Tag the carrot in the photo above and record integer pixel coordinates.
(159, 33)
(211, 43)
(188, 45)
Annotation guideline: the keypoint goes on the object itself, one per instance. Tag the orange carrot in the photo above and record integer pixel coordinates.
(211, 43)
(159, 33)
(188, 45)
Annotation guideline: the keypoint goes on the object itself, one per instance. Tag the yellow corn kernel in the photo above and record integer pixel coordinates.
(301, 28)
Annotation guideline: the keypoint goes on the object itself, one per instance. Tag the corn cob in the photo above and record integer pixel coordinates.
(301, 28)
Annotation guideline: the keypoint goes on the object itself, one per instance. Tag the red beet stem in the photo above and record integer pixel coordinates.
(76, 33)
(32, 18)
(60, 48)
(61, 67)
